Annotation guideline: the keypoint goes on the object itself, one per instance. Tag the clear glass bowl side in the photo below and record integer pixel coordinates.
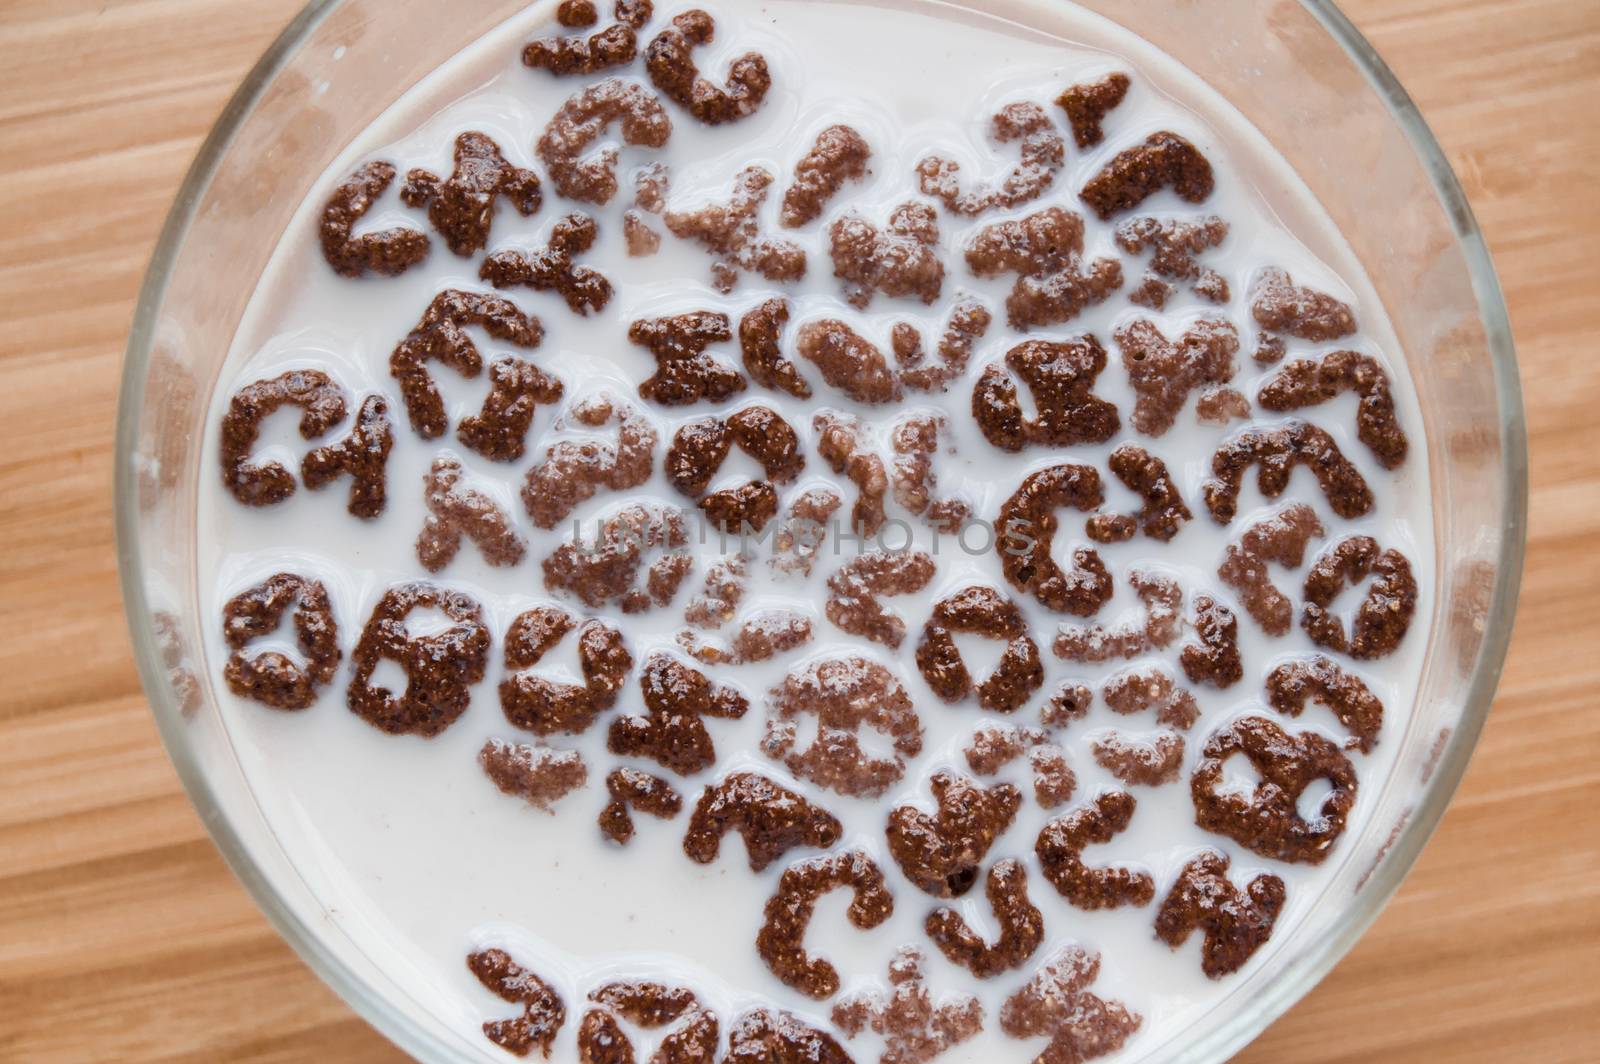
(1318, 91)
(1297, 71)
(329, 74)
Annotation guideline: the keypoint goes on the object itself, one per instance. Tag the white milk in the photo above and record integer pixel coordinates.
(415, 853)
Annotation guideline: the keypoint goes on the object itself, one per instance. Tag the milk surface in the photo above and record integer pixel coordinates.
(415, 853)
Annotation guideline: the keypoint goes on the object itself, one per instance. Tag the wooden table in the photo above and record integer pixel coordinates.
(123, 936)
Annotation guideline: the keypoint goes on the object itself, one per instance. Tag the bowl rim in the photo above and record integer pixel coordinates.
(1317, 960)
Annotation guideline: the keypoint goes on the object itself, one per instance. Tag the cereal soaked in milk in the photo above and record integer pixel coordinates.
(812, 532)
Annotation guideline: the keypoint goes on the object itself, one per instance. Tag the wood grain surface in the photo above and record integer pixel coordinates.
(123, 936)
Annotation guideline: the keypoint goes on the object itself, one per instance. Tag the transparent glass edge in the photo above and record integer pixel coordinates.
(1437, 794)
(1221, 1044)
(395, 1026)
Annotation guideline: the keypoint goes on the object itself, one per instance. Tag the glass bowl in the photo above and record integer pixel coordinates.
(1345, 125)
